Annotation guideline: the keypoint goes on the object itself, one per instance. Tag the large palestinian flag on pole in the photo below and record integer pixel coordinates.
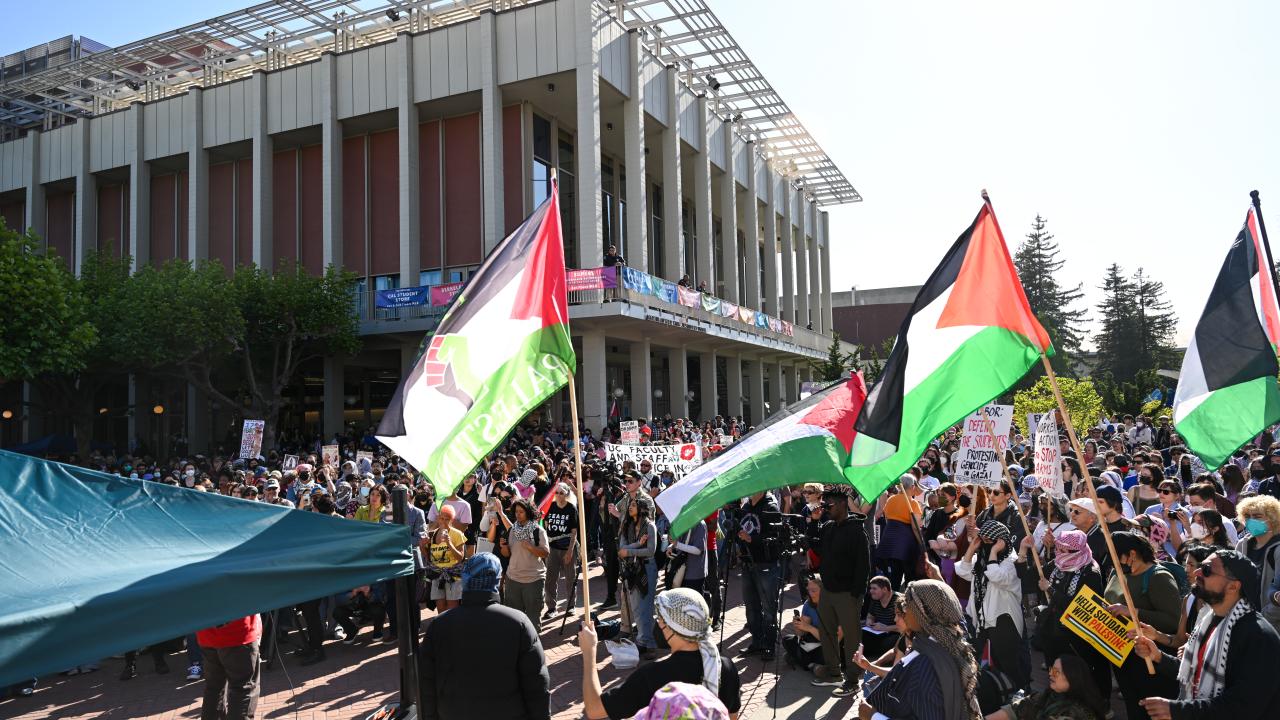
(970, 335)
(1227, 390)
(807, 442)
(500, 351)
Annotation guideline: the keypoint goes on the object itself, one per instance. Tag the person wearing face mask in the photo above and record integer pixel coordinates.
(1261, 544)
(995, 606)
(1155, 596)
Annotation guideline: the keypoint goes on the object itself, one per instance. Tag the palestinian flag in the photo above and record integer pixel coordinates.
(970, 335)
(500, 351)
(807, 442)
(1227, 390)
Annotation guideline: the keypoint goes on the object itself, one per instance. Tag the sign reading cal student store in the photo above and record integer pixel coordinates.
(1088, 617)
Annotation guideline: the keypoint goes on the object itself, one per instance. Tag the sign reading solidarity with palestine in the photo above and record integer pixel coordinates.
(329, 455)
(251, 438)
(1087, 616)
(1048, 456)
(979, 462)
(630, 432)
(679, 459)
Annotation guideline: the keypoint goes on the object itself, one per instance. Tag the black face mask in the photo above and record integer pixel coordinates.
(1257, 473)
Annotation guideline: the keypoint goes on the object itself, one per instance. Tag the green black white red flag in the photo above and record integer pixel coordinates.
(500, 351)
(1227, 390)
(970, 335)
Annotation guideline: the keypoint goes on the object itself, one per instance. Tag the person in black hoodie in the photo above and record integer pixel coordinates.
(841, 544)
(760, 573)
(483, 633)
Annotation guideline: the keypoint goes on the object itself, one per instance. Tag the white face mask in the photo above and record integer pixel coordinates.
(1197, 531)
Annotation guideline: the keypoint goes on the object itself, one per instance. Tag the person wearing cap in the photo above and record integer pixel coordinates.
(1226, 667)
(483, 659)
(685, 622)
(1084, 515)
(271, 494)
(841, 544)
(561, 523)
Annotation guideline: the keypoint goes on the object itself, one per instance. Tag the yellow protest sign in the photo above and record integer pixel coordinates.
(1088, 617)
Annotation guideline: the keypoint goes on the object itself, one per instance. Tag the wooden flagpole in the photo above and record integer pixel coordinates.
(1013, 489)
(582, 523)
(1088, 483)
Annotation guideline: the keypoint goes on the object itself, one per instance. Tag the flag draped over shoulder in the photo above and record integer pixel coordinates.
(807, 442)
(1227, 390)
(970, 335)
(501, 350)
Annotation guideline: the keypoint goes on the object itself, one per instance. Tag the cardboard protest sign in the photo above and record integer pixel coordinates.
(630, 432)
(1033, 423)
(251, 438)
(978, 461)
(1087, 616)
(679, 459)
(1048, 456)
(290, 462)
(329, 456)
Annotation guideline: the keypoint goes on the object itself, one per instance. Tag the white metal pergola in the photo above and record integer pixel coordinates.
(272, 35)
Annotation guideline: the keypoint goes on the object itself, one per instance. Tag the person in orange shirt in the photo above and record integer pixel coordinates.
(898, 548)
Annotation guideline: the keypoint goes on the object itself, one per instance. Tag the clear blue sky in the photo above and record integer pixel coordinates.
(1137, 127)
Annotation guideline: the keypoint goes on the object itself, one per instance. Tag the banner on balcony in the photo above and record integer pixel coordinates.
(443, 294)
(402, 297)
(601, 278)
(775, 324)
(746, 315)
(762, 320)
(688, 298)
(728, 309)
(635, 280)
(788, 329)
(711, 303)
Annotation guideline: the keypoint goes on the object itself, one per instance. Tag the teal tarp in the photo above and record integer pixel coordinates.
(92, 564)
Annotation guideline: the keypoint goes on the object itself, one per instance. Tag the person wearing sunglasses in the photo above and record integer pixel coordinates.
(1155, 595)
(1226, 668)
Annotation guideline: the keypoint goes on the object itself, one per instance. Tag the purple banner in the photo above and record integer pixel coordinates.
(601, 278)
(444, 294)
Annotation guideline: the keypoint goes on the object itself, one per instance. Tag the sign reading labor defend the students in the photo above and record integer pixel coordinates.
(1088, 617)
(1048, 456)
(979, 460)
(251, 438)
(679, 459)
(630, 432)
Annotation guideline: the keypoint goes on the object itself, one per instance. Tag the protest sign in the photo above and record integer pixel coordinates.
(726, 440)
(1033, 423)
(290, 462)
(329, 456)
(1048, 456)
(979, 462)
(679, 459)
(630, 432)
(251, 438)
(364, 461)
(1087, 617)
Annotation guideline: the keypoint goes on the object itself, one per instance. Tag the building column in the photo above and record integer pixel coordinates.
(32, 421)
(787, 233)
(139, 196)
(593, 391)
(678, 379)
(756, 392)
(729, 218)
(197, 193)
(590, 210)
(637, 249)
(708, 385)
(703, 226)
(777, 388)
(733, 385)
(407, 152)
(824, 256)
(331, 161)
(86, 199)
(750, 209)
(408, 356)
(641, 379)
(793, 383)
(332, 421)
(672, 240)
(35, 205)
(198, 425)
(802, 261)
(493, 203)
(815, 269)
(770, 304)
(264, 255)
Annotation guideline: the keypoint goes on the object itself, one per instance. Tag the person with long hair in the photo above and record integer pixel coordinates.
(1071, 695)
(939, 677)
(638, 542)
(527, 546)
(1072, 567)
(995, 602)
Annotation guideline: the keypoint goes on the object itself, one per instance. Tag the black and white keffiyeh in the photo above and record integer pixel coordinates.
(1214, 671)
(685, 611)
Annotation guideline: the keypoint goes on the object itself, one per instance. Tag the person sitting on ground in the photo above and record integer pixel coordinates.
(1071, 695)
(804, 648)
(685, 622)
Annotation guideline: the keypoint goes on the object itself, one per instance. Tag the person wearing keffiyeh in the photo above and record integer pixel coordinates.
(1226, 669)
(1072, 567)
(995, 602)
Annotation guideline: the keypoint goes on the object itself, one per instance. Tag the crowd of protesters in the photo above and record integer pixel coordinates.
(924, 603)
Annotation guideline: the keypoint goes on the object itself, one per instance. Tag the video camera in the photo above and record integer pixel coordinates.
(780, 535)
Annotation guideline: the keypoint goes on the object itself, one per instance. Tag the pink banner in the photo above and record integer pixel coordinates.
(787, 329)
(746, 315)
(689, 298)
(443, 294)
(728, 309)
(600, 278)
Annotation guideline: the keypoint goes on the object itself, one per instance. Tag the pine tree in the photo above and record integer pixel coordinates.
(1135, 338)
(1116, 321)
(1038, 266)
(1156, 324)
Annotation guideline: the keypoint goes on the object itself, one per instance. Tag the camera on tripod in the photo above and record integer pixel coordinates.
(780, 535)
